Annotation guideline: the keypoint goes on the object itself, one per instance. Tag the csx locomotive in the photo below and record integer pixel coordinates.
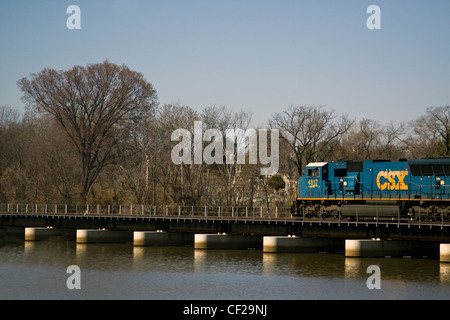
(415, 189)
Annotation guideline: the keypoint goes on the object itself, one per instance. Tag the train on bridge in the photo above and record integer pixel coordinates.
(370, 189)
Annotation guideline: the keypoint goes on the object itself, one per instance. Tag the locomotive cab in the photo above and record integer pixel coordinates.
(313, 182)
(331, 179)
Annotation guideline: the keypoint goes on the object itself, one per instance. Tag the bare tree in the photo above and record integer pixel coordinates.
(311, 132)
(96, 106)
(12, 179)
(51, 171)
(133, 170)
(431, 133)
(364, 141)
(227, 173)
(183, 183)
(368, 139)
(28, 170)
(392, 141)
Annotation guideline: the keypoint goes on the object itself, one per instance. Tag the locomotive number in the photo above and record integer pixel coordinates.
(313, 183)
(392, 180)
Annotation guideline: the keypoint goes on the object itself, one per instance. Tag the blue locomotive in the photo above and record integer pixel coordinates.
(369, 188)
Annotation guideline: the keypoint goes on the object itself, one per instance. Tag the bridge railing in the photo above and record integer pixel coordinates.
(130, 210)
(211, 212)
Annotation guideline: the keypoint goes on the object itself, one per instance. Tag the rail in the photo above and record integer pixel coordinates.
(234, 213)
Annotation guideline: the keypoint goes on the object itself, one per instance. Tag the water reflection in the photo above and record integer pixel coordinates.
(163, 259)
(444, 272)
(180, 269)
(304, 264)
(97, 256)
(228, 261)
(104, 256)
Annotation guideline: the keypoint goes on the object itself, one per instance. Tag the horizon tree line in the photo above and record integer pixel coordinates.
(97, 134)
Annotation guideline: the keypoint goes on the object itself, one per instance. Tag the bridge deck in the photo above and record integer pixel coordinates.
(214, 214)
(231, 220)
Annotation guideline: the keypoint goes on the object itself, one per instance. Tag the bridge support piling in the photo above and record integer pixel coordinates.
(444, 252)
(302, 244)
(103, 236)
(390, 248)
(36, 234)
(162, 238)
(226, 241)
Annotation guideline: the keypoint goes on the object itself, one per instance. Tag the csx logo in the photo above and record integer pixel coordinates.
(392, 180)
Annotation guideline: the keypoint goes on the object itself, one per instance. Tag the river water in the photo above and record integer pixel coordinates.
(39, 270)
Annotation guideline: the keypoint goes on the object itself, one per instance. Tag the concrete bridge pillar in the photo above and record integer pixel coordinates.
(226, 241)
(392, 248)
(36, 234)
(162, 238)
(302, 244)
(103, 236)
(444, 252)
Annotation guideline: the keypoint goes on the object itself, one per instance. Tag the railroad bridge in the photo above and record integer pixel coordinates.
(274, 230)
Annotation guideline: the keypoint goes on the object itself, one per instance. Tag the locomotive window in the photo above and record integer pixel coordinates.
(415, 170)
(340, 172)
(426, 170)
(355, 166)
(438, 170)
(314, 172)
(429, 170)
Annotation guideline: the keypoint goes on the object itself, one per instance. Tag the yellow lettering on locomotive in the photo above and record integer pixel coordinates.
(392, 180)
(313, 183)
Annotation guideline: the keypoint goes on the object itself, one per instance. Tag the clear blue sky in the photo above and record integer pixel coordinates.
(255, 55)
